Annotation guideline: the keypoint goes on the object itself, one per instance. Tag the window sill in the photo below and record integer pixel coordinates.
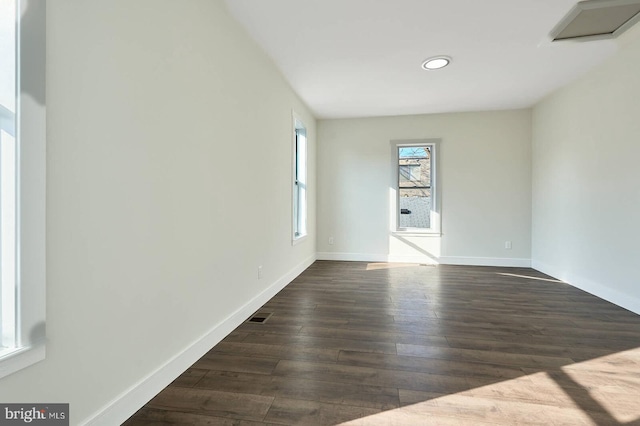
(417, 233)
(12, 360)
(299, 239)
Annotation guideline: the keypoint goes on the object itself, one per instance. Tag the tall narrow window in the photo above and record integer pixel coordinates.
(299, 180)
(8, 104)
(415, 184)
(22, 183)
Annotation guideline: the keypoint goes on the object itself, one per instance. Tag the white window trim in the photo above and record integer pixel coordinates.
(435, 215)
(30, 339)
(297, 124)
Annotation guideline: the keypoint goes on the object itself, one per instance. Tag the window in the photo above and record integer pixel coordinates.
(7, 174)
(415, 186)
(22, 183)
(299, 180)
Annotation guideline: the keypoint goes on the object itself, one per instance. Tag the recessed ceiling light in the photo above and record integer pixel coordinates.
(436, 62)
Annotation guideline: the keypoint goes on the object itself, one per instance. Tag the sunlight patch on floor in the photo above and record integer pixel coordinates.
(505, 403)
(530, 277)
(611, 381)
(599, 391)
(378, 266)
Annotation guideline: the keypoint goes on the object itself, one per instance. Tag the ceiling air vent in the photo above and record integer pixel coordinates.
(597, 19)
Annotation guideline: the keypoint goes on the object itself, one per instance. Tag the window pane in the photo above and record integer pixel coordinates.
(7, 172)
(302, 211)
(301, 156)
(300, 184)
(7, 57)
(414, 186)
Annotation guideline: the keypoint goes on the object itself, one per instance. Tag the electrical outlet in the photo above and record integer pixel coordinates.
(259, 272)
(330, 241)
(507, 245)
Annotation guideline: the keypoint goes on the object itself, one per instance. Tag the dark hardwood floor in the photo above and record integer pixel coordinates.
(370, 343)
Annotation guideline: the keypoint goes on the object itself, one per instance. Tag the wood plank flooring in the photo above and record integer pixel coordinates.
(394, 344)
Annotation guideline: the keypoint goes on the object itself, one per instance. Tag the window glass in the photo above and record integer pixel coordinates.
(300, 181)
(415, 186)
(7, 172)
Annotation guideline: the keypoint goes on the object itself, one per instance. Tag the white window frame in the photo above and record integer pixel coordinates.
(300, 194)
(28, 328)
(434, 215)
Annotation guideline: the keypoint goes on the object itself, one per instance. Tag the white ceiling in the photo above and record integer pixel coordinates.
(359, 58)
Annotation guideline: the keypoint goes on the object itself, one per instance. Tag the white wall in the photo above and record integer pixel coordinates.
(586, 180)
(163, 117)
(485, 176)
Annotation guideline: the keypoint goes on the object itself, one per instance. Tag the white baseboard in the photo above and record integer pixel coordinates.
(404, 258)
(353, 257)
(607, 293)
(508, 262)
(126, 404)
(447, 260)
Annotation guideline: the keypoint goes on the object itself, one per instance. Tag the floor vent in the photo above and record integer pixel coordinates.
(260, 317)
